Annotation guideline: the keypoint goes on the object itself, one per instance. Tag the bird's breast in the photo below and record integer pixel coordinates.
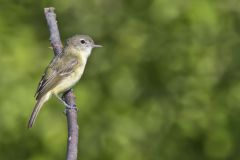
(69, 81)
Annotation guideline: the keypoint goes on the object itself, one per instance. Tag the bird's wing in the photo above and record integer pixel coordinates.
(60, 67)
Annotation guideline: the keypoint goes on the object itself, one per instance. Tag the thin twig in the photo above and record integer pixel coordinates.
(72, 146)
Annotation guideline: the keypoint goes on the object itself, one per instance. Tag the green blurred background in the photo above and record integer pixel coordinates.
(165, 86)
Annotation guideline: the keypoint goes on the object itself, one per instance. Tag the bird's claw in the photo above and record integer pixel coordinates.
(69, 107)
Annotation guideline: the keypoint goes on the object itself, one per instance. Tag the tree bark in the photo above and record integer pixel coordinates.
(69, 98)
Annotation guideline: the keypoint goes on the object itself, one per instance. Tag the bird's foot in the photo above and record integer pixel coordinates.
(69, 107)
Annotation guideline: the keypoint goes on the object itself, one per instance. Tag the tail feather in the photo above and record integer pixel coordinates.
(36, 110)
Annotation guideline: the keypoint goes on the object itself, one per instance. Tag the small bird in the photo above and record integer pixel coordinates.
(64, 71)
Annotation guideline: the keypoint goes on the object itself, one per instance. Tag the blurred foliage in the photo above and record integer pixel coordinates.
(165, 86)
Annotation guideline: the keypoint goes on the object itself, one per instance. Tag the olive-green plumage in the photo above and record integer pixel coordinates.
(63, 71)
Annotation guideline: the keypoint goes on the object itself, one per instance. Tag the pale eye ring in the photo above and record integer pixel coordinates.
(83, 41)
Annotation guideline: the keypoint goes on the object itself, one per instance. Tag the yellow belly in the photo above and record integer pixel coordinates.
(69, 81)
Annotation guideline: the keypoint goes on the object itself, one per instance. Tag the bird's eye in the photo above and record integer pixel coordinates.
(82, 41)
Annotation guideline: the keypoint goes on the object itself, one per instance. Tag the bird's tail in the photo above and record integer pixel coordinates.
(36, 110)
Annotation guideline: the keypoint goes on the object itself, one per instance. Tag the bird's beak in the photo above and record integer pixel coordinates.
(96, 46)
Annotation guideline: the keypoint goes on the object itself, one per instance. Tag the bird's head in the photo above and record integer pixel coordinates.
(83, 43)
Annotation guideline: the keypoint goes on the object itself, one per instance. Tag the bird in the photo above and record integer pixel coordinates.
(63, 72)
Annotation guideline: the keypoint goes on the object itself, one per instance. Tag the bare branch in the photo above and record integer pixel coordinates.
(53, 28)
(72, 147)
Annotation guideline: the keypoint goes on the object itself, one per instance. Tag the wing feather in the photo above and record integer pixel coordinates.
(60, 67)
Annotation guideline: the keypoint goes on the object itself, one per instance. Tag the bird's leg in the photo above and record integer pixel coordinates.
(65, 104)
(73, 105)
